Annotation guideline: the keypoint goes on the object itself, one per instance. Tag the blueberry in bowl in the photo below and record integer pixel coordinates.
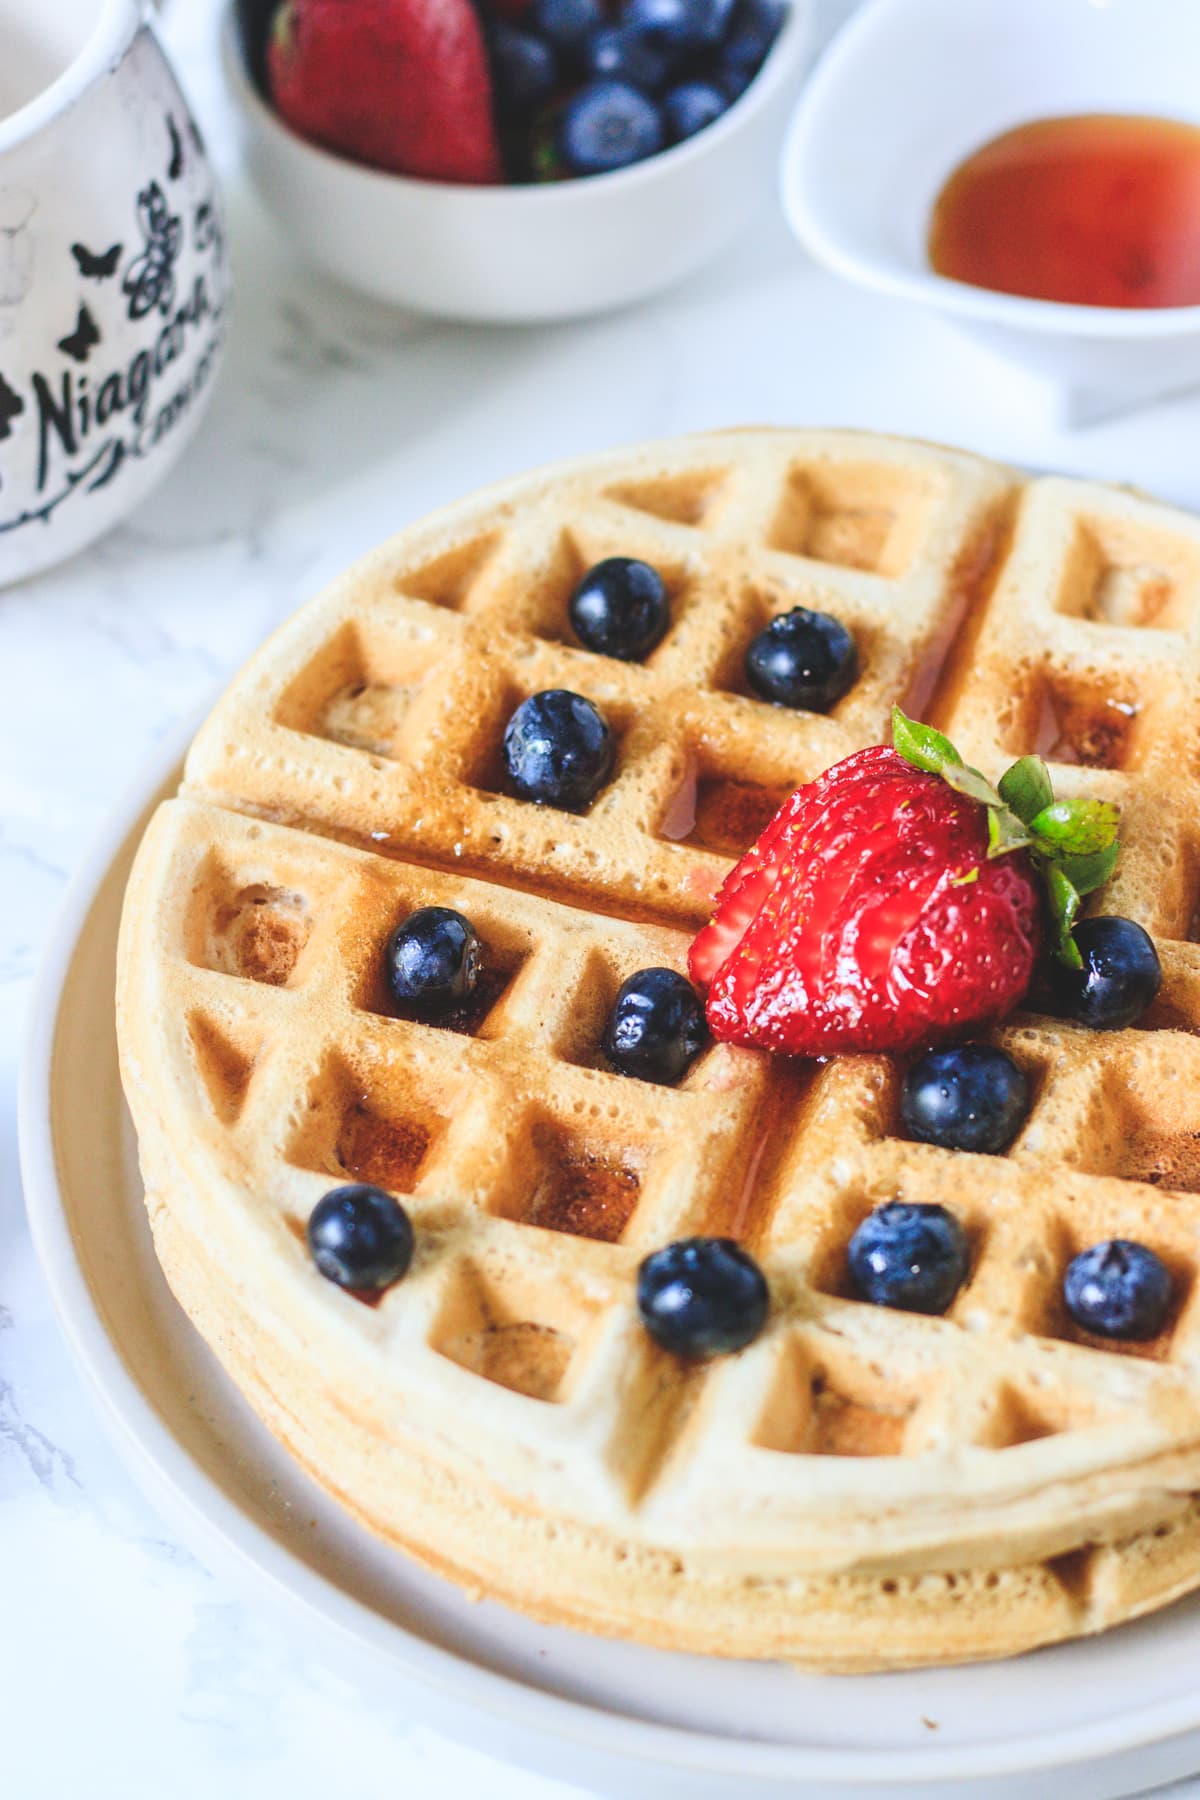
(570, 25)
(607, 126)
(691, 106)
(754, 26)
(683, 27)
(659, 71)
(525, 68)
(623, 53)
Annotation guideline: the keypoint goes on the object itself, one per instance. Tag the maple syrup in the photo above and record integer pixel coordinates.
(1099, 209)
(387, 1152)
(585, 1196)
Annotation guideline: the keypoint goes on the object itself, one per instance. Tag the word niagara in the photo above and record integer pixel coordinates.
(70, 412)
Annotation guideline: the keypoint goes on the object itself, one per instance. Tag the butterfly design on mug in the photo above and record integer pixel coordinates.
(96, 265)
(150, 279)
(80, 343)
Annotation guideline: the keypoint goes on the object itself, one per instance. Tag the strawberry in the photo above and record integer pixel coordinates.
(896, 900)
(401, 84)
(743, 892)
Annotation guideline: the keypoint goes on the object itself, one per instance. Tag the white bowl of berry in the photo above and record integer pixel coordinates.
(513, 160)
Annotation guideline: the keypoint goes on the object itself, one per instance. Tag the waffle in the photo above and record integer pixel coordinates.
(860, 1487)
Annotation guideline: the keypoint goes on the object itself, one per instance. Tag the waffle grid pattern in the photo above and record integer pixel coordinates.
(351, 774)
(394, 708)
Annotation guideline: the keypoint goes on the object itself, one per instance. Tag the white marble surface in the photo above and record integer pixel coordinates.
(126, 1670)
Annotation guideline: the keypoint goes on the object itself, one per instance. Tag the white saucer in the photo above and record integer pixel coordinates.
(1087, 1720)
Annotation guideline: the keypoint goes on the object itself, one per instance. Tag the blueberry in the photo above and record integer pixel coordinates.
(607, 126)
(525, 67)
(656, 1027)
(802, 659)
(620, 608)
(558, 749)
(970, 1097)
(1118, 1289)
(733, 78)
(432, 961)
(1120, 977)
(691, 106)
(702, 1296)
(360, 1237)
(712, 19)
(567, 24)
(680, 26)
(911, 1255)
(753, 28)
(621, 53)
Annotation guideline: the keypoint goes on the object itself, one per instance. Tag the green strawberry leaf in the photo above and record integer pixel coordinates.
(545, 163)
(922, 746)
(1073, 843)
(1087, 873)
(1075, 827)
(1026, 788)
(1005, 832)
(968, 781)
(1064, 910)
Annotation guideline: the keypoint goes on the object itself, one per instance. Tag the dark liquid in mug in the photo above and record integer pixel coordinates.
(1102, 209)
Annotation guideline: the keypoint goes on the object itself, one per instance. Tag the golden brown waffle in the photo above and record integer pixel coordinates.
(861, 1487)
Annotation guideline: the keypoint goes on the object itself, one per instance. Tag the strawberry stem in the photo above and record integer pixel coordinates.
(927, 749)
(1073, 843)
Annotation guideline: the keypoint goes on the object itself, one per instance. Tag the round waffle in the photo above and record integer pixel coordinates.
(861, 1487)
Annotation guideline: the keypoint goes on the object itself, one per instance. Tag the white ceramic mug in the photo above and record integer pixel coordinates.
(113, 273)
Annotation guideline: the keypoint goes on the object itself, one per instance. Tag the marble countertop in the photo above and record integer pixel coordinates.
(127, 1669)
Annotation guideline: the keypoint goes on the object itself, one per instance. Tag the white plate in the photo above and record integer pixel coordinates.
(1091, 1720)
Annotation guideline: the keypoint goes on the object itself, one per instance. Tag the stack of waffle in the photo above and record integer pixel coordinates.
(861, 1487)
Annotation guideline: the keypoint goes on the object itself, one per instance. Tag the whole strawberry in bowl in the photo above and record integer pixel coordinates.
(398, 84)
(513, 160)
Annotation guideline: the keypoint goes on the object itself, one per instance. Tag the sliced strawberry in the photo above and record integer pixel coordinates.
(747, 885)
(868, 917)
(743, 892)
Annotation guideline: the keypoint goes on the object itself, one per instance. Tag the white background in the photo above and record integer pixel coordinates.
(125, 1669)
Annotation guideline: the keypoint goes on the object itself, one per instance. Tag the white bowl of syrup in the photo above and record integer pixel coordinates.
(1031, 168)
